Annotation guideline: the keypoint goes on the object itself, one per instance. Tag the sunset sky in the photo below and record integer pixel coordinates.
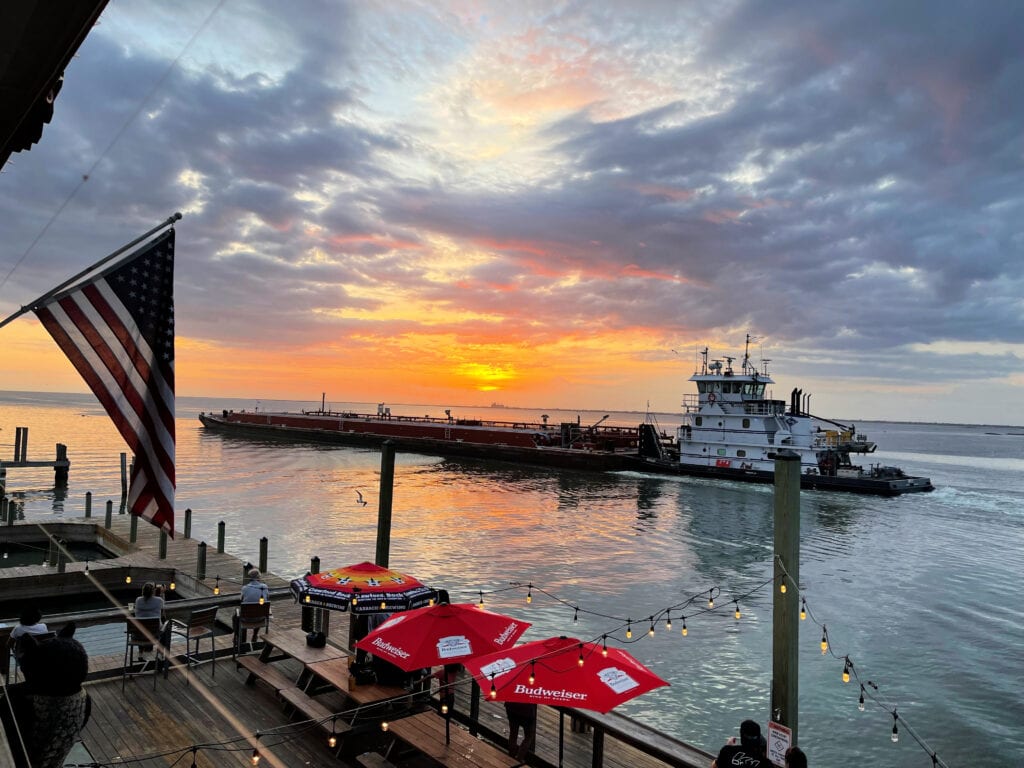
(548, 204)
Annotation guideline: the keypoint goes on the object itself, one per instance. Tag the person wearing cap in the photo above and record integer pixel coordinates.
(749, 753)
(795, 758)
(254, 591)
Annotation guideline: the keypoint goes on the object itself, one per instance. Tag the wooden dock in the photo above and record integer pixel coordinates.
(218, 715)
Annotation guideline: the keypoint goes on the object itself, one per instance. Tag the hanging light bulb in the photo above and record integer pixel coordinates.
(355, 599)
(604, 646)
(824, 641)
(256, 750)
(668, 621)
(685, 630)
(127, 576)
(384, 726)
(216, 585)
(332, 740)
(262, 600)
(782, 585)
(494, 691)
(307, 598)
(860, 702)
(895, 730)
(576, 615)
(803, 609)
(172, 586)
(533, 677)
(629, 629)
(737, 613)
(480, 605)
(444, 709)
(383, 605)
(580, 660)
(650, 632)
(846, 671)
(711, 599)
(430, 602)
(529, 593)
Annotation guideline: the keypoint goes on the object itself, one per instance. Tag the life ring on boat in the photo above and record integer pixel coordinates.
(711, 398)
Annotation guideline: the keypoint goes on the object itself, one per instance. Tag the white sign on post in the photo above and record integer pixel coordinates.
(780, 738)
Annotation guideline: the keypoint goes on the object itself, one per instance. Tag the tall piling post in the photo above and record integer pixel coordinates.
(263, 554)
(221, 528)
(51, 552)
(133, 529)
(387, 487)
(201, 561)
(786, 605)
(162, 552)
(61, 465)
(88, 503)
(124, 475)
(188, 523)
(308, 620)
(109, 520)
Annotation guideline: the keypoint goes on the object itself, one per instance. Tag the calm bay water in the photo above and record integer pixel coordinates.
(923, 592)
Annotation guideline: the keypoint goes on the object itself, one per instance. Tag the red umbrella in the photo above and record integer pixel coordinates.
(565, 672)
(362, 588)
(441, 634)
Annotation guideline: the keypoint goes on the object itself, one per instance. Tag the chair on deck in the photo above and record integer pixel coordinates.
(200, 625)
(250, 616)
(141, 636)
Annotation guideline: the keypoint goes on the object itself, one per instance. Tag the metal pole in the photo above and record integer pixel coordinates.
(786, 605)
(51, 293)
(387, 485)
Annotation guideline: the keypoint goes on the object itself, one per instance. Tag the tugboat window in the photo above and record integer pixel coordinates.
(746, 423)
(699, 420)
(721, 451)
(741, 453)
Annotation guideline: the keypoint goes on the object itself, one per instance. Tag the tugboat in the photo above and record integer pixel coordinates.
(730, 430)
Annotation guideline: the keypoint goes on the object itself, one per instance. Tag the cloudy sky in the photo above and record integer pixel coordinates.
(548, 204)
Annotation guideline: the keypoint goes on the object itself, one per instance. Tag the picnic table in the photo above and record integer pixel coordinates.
(425, 733)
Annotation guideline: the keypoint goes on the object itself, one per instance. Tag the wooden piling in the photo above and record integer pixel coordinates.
(133, 529)
(387, 486)
(221, 528)
(263, 554)
(786, 605)
(201, 561)
(88, 503)
(188, 523)
(61, 465)
(162, 551)
(110, 514)
(124, 475)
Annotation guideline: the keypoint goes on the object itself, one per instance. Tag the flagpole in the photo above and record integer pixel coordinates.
(31, 306)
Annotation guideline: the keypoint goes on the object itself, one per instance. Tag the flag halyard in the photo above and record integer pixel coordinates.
(117, 329)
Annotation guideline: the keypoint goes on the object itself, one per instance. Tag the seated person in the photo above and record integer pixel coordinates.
(253, 591)
(30, 623)
(50, 708)
(149, 606)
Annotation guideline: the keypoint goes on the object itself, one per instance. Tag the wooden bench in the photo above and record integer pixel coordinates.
(425, 733)
(374, 760)
(268, 673)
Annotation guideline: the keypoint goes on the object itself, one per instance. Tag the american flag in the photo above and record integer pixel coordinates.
(117, 328)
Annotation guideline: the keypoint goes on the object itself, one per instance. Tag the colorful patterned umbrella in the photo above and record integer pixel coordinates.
(362, 588)
(563, 672)
(441, 634)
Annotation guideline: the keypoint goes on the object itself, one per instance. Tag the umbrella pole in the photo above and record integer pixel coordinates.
(561, 736)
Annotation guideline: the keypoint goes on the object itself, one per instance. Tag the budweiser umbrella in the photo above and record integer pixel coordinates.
(563, 672)
(441, 634)
(362, 588)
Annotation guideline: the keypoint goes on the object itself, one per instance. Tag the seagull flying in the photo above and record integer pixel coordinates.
(360, 500)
